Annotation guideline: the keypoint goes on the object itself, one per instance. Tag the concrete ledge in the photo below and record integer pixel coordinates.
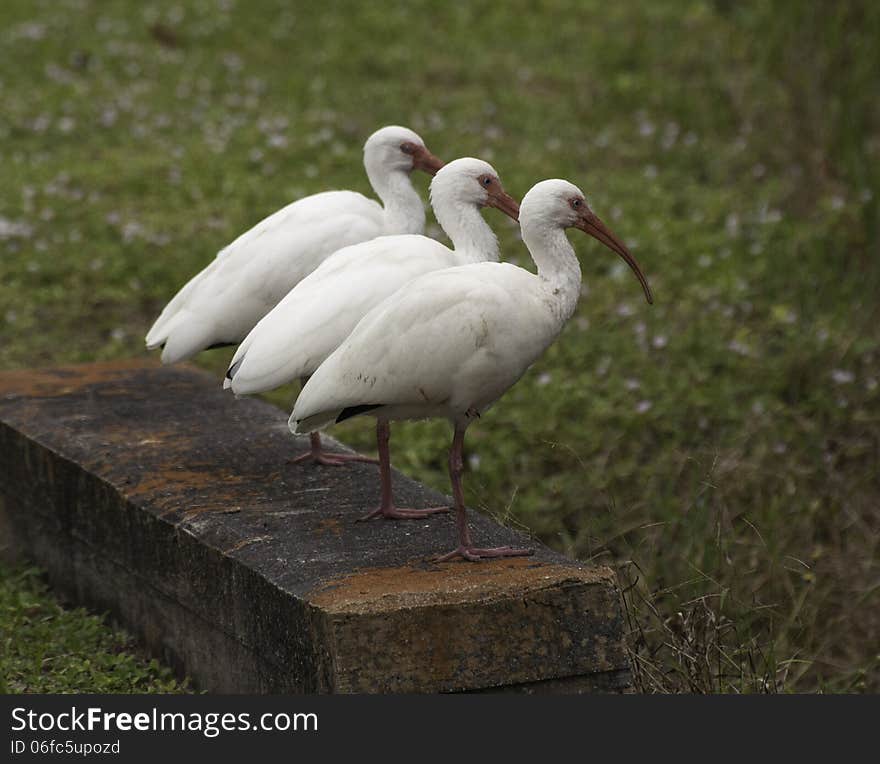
(149, 493)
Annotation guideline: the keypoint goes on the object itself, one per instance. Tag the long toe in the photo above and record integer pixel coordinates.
(397, 513)
(330, 460)
(474, 554)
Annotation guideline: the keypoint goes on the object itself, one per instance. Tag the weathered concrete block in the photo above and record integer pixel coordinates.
(150, 493)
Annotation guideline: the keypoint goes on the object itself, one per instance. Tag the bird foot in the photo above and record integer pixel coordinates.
(330, 460)
(475, 553)
(395, 513)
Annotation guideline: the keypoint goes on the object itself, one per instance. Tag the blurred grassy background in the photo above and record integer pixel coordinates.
(720, 449)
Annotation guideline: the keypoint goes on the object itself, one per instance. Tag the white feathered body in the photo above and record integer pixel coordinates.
(461, 337)
(222, 303)
(322, 310)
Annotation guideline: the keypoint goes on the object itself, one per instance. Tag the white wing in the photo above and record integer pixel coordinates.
(447, 343)
(248, 278)
(321, 311)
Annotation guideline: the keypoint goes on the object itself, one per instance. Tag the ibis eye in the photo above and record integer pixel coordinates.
(576, 203)
(408, 148)
(487, 181)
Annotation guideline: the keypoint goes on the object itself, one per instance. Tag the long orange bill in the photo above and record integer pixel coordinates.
(592, 225)
(425, 161)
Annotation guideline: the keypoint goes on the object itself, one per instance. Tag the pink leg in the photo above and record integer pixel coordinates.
(386, 509)
(317, 455)
(465, 548)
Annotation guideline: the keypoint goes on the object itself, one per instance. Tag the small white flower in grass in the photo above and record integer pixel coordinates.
(617, 270)
(740, 348)
(624, 310)
(544, 378)
(842, 377)
(233, 62)
(650, 171)
(670, 135)
(779, 447)
(837, 202)
(631, 384)
(118, 334)
(14, 229)
(704, 261)
(731, 224)
(642, 407)
(474, 461)
(660, 341)
(758, 408)
(28, 30)
(603, 366)
(132, 230)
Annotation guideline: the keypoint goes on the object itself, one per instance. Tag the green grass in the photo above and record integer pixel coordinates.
(721, 449)
(47, 648)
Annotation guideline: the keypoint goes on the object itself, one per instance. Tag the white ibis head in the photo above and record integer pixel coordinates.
(472, 181)
(396, 148)
(559, 204)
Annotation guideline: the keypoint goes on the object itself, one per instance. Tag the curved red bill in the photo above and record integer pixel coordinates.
(425, 161)
(591, 224)
(503, 201)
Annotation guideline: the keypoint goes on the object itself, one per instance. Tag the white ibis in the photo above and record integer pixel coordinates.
(223, 302)
(450, 343)
(321, 311)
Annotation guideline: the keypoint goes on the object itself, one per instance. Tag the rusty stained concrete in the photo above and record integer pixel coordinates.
(187, 492)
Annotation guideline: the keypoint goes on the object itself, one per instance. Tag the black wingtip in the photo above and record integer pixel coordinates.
(350, 411)
(230, 372)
